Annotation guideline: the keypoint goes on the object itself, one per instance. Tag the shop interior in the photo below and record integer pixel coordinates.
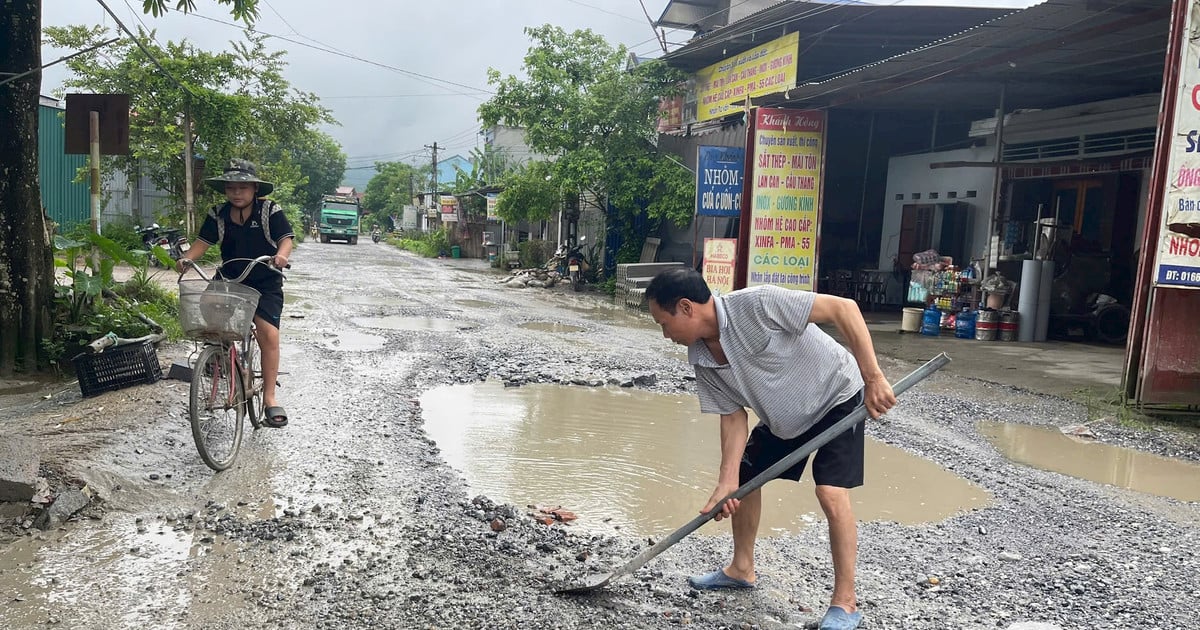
(1087, 226)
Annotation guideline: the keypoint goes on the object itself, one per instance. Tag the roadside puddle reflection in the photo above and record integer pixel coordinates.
(645, 463)
(1048, 448)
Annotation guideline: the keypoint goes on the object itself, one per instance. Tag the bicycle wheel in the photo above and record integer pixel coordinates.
(216, 408)
(253, 383)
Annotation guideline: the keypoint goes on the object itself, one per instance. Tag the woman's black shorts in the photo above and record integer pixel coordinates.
(270, 302)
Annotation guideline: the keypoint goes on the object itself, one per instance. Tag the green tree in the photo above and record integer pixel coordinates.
(391, 188)
(322, 162)
(239, 100)
(580, 104)
(530, 193)
(26, 254)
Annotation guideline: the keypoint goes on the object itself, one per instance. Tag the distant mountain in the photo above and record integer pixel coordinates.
(358, 178)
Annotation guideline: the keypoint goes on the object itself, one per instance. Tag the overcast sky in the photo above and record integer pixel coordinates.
(386, 114)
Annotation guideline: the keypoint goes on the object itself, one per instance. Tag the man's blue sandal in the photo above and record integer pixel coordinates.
(717, 580)
(836, 618)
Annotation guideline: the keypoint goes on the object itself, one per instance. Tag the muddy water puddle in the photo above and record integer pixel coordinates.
(475, 303)
(346, 340)
(552, 327)
(396, 322)
(645, 462)
(69, 580)
(1047, 448)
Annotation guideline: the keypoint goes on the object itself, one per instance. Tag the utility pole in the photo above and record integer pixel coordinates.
(435, 170)
(189, 187)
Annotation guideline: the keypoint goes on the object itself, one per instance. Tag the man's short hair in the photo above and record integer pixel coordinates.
(672, 285)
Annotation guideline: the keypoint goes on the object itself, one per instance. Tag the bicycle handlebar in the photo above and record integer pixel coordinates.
(261, 260)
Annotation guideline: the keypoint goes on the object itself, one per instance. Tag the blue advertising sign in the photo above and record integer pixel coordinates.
(719, 178)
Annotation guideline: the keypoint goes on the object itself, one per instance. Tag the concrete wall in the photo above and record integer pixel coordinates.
(909, 175)
(511, 142)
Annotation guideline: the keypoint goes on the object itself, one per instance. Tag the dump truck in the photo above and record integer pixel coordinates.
(338, 219)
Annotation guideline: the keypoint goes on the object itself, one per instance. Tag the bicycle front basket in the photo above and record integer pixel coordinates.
(216, 310)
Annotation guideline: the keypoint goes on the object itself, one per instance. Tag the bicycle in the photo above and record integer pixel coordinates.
(227, 372)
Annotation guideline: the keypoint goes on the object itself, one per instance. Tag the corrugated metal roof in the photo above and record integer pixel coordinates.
(1056, 53)
(834, 38)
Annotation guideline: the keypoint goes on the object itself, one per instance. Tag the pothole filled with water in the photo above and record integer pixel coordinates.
(396, 322)
(645, 462)
(552, 327)
(1047, 448)
(474, 303)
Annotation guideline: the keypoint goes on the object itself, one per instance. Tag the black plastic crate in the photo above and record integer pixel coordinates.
(117, 367)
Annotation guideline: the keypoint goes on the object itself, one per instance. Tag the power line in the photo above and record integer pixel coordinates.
(138, 17)
(59, 60)
(662, 39)
(142, 46)
(592, 6)
(701, 19)
(424, 78)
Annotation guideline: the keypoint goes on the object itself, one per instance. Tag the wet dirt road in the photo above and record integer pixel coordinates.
(351, 517)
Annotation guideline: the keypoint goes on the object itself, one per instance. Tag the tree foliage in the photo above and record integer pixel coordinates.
(579, 103)
(26, 267)
(239, 100)
(245, 10)
(529, 194)
(391, 188)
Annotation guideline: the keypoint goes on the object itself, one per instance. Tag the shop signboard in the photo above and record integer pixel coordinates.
(719, 180)
(1178, 261)
(720, 258)
(724, 86)
(786, 178)
(449, 205)
(492, 199)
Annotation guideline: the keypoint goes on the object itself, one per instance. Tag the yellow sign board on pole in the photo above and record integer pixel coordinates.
(786, 181)
(720, 256)
(723, 87)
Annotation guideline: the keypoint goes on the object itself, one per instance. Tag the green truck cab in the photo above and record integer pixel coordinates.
(338, 219)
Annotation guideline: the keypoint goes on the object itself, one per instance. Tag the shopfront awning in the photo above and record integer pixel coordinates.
(834, 38)
(1058, 53)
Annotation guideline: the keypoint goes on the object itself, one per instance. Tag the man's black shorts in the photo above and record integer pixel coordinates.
(838, 463)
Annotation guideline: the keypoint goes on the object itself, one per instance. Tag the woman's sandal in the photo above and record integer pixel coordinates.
(276, 417)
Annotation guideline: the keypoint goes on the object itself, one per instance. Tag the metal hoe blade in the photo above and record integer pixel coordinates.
(599, 581)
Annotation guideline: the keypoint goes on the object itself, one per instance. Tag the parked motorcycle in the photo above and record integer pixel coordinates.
(570, 263)
(170, 239)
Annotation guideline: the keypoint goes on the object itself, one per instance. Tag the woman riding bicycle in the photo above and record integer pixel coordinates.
(248, 226)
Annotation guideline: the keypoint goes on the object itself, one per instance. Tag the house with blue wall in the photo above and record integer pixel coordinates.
(449, 167)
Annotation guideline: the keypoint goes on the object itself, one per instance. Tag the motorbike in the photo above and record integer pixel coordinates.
(571, 264)
(375, 236)
(170, 239)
